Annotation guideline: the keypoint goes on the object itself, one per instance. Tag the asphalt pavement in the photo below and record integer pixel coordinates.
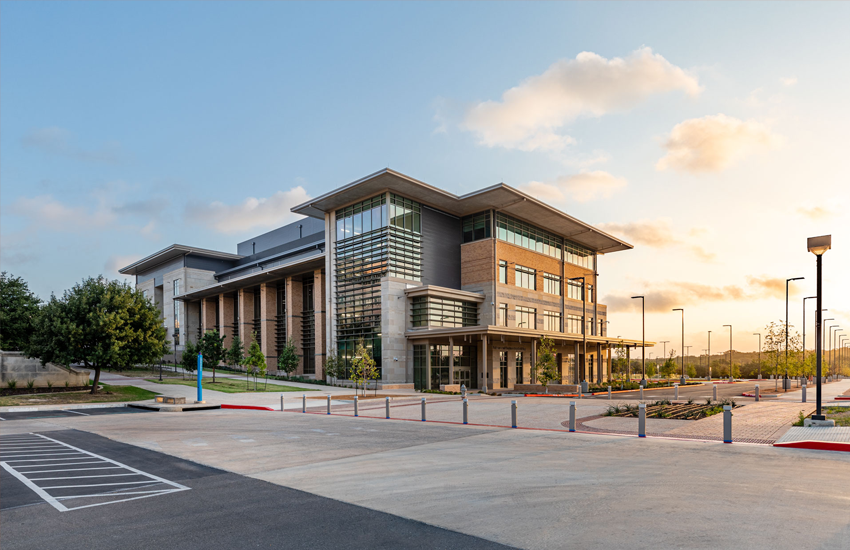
(68, 413)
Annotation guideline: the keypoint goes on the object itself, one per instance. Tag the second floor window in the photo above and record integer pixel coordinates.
(503, 272)
(503, 315)
(552, 321)
(526, 277)
(526, 317)
(573, 324)
(551, 284)
(574, 290)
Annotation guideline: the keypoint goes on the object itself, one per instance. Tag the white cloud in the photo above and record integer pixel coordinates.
(659, 233)
(530, 115)
(252, 213)
(788, 80)
(59, 141)
(581, 187)
(714, 142)
(114, 263)
(46, 211)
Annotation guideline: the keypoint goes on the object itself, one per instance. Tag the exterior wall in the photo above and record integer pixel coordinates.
(208, 306)
(294, 306)
(441, 240)
(268, 311)
(246, 316)
(225, 316)
(477, 274)
(395, 315)
(192, 315)
(319, 305)
(190, 279)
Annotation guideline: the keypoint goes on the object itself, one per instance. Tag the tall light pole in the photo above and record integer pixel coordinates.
(665, 342)
(825, 327)
(804, 325)
(583, 328)
(759, 335)
(731, 377)
(709, 356)
(643, 338)
(818, 246)
(786, 384)
(706, 363)
(832, 346)
(682, 379)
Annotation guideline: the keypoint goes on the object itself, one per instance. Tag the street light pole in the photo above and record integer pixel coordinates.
(818, 246)
(759, 335)
(709, 356)
(682, 379)
(832, 347)
(583, 328)
(786, 384)
(731, 377)
(643, 338)
(804, 326)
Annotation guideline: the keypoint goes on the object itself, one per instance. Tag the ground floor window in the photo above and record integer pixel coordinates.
(519, 367)
(420, 367)
(503, 369)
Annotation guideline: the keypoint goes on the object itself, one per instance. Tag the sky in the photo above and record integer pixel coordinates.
(711, 136)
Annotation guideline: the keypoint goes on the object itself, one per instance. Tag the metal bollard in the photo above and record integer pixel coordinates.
(388, 406)
(641, 393)
(727, 423)
(465, 411)
(355, 406)
(642, 420)
(329, 404)
(423, 409)
(609, 392)
(513, 414)
(804, 391)
(757, 393)
(281, 402)
(572, 416)
(676, 391)
(304, 403)
(714, 393)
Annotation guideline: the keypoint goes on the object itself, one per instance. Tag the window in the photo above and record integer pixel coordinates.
(176, 312)
(574, 290)
(526, 317)
(146, 294)
(579, 255)
(528, 236)
(503, 272)
(503, 315)
(503, 369)
(405, 214)
(552, 321)
(476, 227)
(431, 311)
(590, 293)
(518, 362)
(551, 284)
(573, 324)
(361, 218)
(526, 277)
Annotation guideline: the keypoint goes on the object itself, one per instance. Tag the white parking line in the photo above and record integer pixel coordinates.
(76, 412)
(15, 465)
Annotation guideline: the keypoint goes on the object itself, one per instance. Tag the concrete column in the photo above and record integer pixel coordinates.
(451, 360)
(208, 313)
(246, 315)
(225, 318)
(320, 305)
(428, 365)
(483, 380)
(294, 307)
(268, 310)
(577, 364)
(599, 368)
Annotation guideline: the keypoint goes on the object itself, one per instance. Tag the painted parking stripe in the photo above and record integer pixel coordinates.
(118, 491)
(76, 412)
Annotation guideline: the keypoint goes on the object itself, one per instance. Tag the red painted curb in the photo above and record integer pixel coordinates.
(248, 407)
(843, 398)
(817, 445)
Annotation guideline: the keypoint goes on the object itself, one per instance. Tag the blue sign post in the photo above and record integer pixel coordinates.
(200, 378)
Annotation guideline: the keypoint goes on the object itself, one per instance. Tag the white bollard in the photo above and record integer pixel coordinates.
(642, 420)
(355, 406)
(757, 393)
(676, 391)
(329, 404)
(423, 409)
(304, 403)
(714, 393)
(388, 406)
(609, 392)
(513, 414)
(281, 402)
(572, 416)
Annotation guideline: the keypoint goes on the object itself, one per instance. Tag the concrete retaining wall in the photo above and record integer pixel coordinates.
(15, 366)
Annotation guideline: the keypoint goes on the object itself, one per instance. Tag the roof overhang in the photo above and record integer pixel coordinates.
(443, 292)
(258, 276)
(518, 333)
(170, 253)
(500, 197)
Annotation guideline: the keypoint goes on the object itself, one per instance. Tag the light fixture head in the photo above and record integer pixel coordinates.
(819, 245)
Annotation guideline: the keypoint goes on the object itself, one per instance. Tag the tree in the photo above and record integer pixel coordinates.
(236, 354)
(212, 348)
(691, 370)
(334, 366)
(98, 323)
(256, 361)
(189, 359)
(669, 366)
(287, 360)
(363, 368)
(18, 309)
(546, 368)
(650, 369)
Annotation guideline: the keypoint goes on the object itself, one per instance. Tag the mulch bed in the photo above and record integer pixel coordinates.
(582, 427)
(56, 389)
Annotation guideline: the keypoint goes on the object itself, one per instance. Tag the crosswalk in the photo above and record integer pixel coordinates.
(70, 478)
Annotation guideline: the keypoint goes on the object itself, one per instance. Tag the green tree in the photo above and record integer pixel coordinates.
(546, 368)
(98, 323)
(334, 366)
(211, 346)
(287, 360)
(363, 368)
(650, 369)
(189, 359)
(18, 310)
(256, 361)
(236, 353)
(691, 370)
(669, 366)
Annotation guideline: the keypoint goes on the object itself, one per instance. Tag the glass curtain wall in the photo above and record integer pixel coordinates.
(534, 238)
(443, 312)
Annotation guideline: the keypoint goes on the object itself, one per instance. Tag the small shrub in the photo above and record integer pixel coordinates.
(49, 385)
(690, 401)
(801, 419)
(67, 384)
(12, 383)
(30, 384)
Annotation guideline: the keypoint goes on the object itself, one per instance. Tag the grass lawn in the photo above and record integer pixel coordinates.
(841, 415)
(231, 385)
(109, 394)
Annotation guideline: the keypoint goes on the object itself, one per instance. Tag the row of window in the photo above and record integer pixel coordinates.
(526, 277)
(526, 317)
(431, 311)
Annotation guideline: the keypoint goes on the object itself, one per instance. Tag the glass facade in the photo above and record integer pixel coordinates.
(464, 364)
(573, 324)
(420, 367)
(503, 369)
(375, 237)
(552, 321)
(476, 227)
(574, 290)
(526, 277)
(552, 284)
(534, 238)
(432, 311)
(518, 363)
(526, 317)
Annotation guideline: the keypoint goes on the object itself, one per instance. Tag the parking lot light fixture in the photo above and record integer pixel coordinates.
(818, 246)
(682, 379)
(785, 384)
(730, 352)
(643, 339)
(759, 335)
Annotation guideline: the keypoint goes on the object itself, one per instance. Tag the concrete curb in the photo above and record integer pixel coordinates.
(25, 408)
(248, 407)
(816, 445)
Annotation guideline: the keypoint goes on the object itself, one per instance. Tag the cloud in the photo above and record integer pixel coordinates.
(60, 142)
(151, 207)
(530, 115)
(581, 187)
(714, 142)
(788, 80)
(114, 263)
(250, 214)
(45, 211)
(659, 233)
(815, 213)
(665, 296)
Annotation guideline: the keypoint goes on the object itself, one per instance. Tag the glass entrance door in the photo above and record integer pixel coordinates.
(463, 376)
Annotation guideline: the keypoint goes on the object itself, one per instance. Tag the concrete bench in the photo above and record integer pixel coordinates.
(450, 387)
(171, 400)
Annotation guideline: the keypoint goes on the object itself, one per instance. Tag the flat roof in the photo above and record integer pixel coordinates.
(501, 197)
(170, 253)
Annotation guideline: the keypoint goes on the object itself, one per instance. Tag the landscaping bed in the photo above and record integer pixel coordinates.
(666, 409)
(32, 391)
(232, 385)
(108, 394)
(630, 386)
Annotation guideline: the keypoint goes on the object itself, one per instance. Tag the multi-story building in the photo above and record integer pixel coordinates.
(442, 289)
